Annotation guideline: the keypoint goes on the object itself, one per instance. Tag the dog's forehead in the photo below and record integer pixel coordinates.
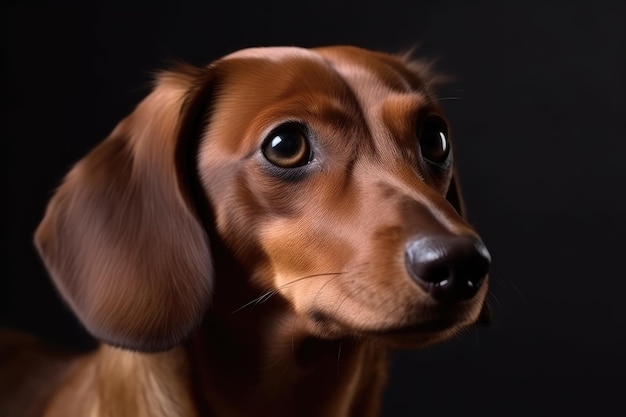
(349, 62)
(360, 64)
(273, 53)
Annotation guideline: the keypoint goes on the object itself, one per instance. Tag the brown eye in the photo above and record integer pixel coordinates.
(287, 147)
(433, 140)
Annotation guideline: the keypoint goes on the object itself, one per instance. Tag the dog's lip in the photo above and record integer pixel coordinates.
(421, 327)
(424, 327)
(418, 334)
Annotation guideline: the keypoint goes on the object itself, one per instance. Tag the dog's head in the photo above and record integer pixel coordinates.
(329, 177)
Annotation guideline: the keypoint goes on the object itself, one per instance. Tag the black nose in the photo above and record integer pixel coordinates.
(449, 268)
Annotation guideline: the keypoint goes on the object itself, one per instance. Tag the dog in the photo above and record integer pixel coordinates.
(255, 236)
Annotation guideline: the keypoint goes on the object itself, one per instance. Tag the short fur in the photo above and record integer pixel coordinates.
(222, 286)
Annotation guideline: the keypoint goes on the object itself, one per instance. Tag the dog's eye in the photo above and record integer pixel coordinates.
(433, 139)
(287, 147)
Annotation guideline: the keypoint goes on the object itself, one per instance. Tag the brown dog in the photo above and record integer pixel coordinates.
(256, 234)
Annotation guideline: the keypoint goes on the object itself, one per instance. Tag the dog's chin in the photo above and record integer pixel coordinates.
(407, 336)
(416, 336)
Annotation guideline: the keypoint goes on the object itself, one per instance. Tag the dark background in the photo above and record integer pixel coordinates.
(538, 115)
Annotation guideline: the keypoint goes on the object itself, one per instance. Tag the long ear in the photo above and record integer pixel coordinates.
(119, 237)
(454, 195)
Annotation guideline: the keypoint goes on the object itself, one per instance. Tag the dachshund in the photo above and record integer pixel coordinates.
(256, 236)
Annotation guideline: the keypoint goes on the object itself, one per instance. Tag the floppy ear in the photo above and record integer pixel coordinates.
(454, 196)
(120, 238)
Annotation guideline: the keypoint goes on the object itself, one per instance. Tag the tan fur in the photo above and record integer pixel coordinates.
(230, 287)
(120, 383)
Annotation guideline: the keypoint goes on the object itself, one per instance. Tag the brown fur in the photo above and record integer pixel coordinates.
(257, 292)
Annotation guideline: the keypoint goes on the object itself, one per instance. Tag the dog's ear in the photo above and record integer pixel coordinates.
(454, 196)
(120, 238)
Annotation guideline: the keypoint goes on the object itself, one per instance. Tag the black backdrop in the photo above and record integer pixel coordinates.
(538, 118)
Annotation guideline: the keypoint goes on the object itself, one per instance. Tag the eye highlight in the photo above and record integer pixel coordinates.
(287, 146)
(433, 139)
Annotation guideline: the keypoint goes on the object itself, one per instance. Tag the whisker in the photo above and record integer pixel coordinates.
(351, 294)
(257, 300)
(338, 357)
(323, 286)
(267, 295)
(296, 317)
(517, 290)
(358, 290)
(476, 337)
(294, 321)
(495, 298)
(293, 331)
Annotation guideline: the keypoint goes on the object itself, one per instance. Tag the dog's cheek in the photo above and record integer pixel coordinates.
(304, 259)
(235, 213)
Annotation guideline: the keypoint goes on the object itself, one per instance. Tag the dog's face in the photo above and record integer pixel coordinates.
(329, 176)
(331, 163)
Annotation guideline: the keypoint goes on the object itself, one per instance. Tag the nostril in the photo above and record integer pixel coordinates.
(449, 268)
(438, 275)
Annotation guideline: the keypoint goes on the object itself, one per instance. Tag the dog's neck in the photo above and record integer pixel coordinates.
(260, 360)
(263, 361)
(225, 370)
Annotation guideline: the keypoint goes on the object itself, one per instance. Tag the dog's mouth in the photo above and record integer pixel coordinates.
(428, 327)
(417, 335)
(412, 334)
